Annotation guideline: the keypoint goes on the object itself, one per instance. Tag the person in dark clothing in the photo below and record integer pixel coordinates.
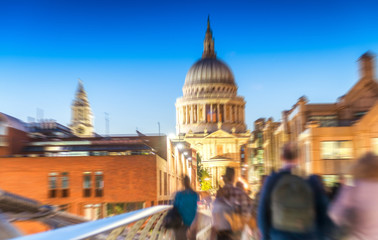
(336, 188)
(326, 227)
(266, 215)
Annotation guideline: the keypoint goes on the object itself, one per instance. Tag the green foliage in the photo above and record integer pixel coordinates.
(203, 176)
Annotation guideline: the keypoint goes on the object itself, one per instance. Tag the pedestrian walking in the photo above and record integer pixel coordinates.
(186, 203)
(289, 206)
(239, 202)
(221, 228)
(355, 209)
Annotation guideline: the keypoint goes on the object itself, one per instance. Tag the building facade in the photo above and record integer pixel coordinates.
(210, 115)
(330, 136)
(87, 174)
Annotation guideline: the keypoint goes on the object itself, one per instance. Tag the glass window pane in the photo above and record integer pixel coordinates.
(345, 149)
(53, 181)
(327, 150)
(336, 150)
(87, 180)
(65, 180)
(99, 181)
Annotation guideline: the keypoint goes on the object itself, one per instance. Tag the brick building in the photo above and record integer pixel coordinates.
(87, 174)
(330, 136)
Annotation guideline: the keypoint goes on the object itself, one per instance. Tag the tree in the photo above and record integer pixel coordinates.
(203, 175)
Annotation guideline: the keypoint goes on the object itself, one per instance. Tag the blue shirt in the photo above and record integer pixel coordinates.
(186, 203)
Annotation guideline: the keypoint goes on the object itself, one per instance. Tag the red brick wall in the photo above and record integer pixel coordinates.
(15, 140)
(126, 178)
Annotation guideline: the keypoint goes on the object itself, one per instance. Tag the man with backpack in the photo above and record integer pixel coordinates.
(289, 204)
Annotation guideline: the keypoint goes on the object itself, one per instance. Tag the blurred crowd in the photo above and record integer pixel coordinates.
(289, 205)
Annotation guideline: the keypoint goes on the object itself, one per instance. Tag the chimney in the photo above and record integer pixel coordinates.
(367, 66)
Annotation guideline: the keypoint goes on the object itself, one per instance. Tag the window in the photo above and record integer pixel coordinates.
(325, 121)
(2, 128)
(160, 184)
(99, 184)
(374, 144)
(65, 184)
(87, 184)
(92, 211)
(53, 185)
(336, 149)
(2, 133)
(169, 184)
(165, 184)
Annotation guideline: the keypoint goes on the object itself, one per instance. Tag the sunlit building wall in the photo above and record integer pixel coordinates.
(330, 136)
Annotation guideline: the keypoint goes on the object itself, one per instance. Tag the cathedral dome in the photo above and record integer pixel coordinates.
(209, 70)
(209, 77)
(210, 101)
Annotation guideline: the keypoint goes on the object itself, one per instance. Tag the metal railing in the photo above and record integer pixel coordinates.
(140, 224)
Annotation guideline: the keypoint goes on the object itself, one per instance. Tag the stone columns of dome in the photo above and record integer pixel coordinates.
(218, 114)
(198, 114)
(204, 112)
(195, 111)
(187, 115)
(191, 119)
(211, 112)
(241, 114)
(183, 115)
(237, 113)
(224, 113)
(227, 118)
(232, 113)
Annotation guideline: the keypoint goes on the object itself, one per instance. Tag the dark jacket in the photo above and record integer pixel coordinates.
(264, 213)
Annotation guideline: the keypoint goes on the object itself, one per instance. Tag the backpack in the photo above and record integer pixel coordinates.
(173, 219)
(293, 205)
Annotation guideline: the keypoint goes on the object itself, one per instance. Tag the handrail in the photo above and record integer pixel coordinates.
(141, 224)
(93, 228)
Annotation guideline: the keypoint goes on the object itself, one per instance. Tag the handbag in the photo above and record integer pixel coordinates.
(173, 219)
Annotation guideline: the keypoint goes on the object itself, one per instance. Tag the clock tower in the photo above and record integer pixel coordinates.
(81, 114)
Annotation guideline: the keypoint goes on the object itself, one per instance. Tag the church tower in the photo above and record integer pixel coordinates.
(81, 114)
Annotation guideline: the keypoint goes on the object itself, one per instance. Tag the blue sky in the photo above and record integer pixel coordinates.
(133, 56)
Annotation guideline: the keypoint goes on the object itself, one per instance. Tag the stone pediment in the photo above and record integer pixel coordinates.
(220, 134)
